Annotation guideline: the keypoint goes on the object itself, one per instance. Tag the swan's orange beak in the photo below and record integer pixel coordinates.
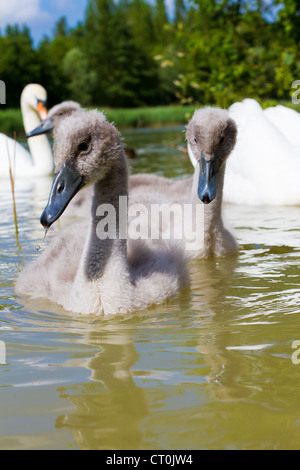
(42, 110)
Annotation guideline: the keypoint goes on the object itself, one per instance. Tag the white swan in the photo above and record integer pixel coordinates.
(79, 270)
(39, 161)
(287, 120)
(265, 165)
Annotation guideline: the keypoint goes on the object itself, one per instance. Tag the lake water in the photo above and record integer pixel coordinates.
(213, 369)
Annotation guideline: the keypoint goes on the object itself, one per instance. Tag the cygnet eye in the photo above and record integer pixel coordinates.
(195, 140)
(222, 140)
(82, 146)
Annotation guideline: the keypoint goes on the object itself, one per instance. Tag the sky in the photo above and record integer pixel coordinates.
(41, 15)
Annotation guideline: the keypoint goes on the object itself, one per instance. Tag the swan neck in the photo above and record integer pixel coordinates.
(39, 146)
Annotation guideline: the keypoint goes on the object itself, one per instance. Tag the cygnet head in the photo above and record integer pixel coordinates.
(55, 116)
(34, 96)
(211, 136)
(86, 149)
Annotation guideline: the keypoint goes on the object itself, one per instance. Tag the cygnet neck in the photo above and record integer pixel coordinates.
(106, 202)
(213, 222)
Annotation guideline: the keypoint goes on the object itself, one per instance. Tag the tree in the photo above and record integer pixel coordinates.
(81, 80)
(161, 22)
(61, 28)
(19, 63)
(129, 53)
(180, 11)
(51, 53)
(100, 44)
(289, 16)
(126, 72)
(140, 21)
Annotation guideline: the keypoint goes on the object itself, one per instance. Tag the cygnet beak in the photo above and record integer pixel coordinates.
(208, 178)
(65, 185)
(44, 128)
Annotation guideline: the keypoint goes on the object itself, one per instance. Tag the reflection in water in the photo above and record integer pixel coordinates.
(214, 281)
(211, 369)
(110, 408)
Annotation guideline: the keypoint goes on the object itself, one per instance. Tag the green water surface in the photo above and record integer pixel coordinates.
(212, 369)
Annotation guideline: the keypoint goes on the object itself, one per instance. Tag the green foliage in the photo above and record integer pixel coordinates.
(11, 122)
(11, 119)
(81, 80)
(18, 63)
(289, 16)
(150, 116)
(129, 53)
(231, 50)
